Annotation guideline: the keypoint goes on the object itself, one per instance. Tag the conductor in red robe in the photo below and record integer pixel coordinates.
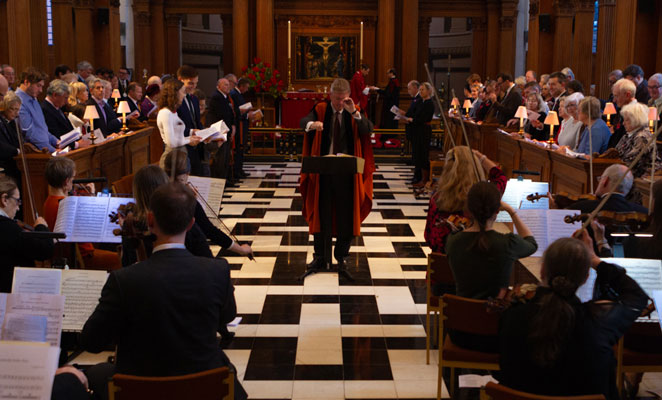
(358, 92)
(336, 203)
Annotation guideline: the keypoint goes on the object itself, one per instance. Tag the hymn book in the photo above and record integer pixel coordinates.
(81, 290)
(515, 196)
(32, 367)
(85, 218)
(217, 130)
(547, 226)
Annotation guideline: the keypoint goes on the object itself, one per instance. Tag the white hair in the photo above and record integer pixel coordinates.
(574, 98)
(637, 113)
(625, 86)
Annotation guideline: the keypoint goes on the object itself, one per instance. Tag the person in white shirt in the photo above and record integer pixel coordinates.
(170, 125)
(570, 125)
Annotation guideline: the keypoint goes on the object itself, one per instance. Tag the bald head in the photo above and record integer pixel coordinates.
(155, 80)
(4, 86)
(610, 176)
(224, 86)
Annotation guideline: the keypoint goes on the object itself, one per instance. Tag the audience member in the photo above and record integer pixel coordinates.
(150, 102)
(31, 117)
(170, 125)
(568, 73)
(636, 139)
(9, 144)
(520, 81)
(123, 81)
(595, 136)
(61, 70)
(485, 112)
(554, 345)
(189, 113)
(243, 121)
(655, 91)
(531, 76)
(57, 95)
(571, 126)
(78, 98)
(557, 82)
(126, 315)
(634, 73)
(108, 122)
(85, 69)
(134, 95)
(17, 250)
(612, 78)
(60, 173)
(507, 106)
(4, 87)
(574, 87)
(155, 80)
(623, 92)
(9, 74)
(534, 128)
(544, 79)
(221, 107)
(446, 212)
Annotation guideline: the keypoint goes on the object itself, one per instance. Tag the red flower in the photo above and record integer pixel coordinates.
(276, 72)
(251, 77)
(267, 65)
(262, 75)
(255, 69)
(244, 69)
(257, 60)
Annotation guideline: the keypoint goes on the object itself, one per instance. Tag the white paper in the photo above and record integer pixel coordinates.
(547, 226)
(585, 291)
(397, 111)
(70, 137)
(657, 299)
(75, 121)
(475, 381)
(32, 367)
(98, 136)
(647, 273)
(211, 190)
(515, 196)
(245, 107)
(217, 130)
(573, 154)
(235, 322)
(25, 328)
(81, 290)
(85, 219)
(48, 305)
(37, 280)
(532, 115)
(366, 90)
(60, 152)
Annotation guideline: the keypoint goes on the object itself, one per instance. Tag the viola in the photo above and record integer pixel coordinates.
(25, 227)
(634, 221)
(562, 199)
(131, 227)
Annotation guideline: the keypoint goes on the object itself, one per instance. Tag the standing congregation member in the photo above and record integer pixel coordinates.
(171, 127)
(174, 302)
(108, 121)
(189, 113)
(243, 120)
(150, 103)
(221, 107)
(134, 94)
(507, 106)
(416, 100)
(9, 144)
(342, 200)
(624, 92)
(391, 98)
(421, 132)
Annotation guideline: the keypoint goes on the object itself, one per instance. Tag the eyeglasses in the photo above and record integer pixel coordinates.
(16, 199)
(653, 87)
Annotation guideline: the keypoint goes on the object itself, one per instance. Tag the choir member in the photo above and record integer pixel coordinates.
(170, 125)
(391, 98)
(421, 133)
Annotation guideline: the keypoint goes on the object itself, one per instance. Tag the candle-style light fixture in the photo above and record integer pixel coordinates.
(552, 119)
(91, 114)
(609, 110)
(522, 114)
(455, 103)
(124, 108)
(290, 88)
(467, 105)
(652, 117)
(116, 96)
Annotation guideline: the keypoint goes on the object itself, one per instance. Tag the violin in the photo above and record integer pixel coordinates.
(562, 199)
(25, 227)
(634, 221)
(131, 228)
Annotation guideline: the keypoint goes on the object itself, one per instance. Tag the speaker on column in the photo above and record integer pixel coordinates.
(103, 16)
(545, 23)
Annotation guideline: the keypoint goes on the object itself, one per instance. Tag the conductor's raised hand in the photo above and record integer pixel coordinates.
(317, 125)
(349, 105)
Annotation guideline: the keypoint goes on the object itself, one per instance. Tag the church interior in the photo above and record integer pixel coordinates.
(394, 199)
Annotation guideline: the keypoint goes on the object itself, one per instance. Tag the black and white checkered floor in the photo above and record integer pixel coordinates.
(325, 337)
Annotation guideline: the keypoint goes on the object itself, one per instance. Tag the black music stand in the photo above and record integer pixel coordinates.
(331, 165)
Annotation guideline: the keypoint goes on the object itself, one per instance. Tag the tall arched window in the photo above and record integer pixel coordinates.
(49, 22)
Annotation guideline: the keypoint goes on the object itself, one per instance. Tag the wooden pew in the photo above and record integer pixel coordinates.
(509, 154)
(535, 158)
(113, 160)
(572, 174)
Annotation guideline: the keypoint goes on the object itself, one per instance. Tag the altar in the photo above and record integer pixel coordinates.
(296, 105)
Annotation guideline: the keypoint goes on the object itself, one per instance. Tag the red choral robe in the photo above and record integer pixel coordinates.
(309, 183)
(357, 85)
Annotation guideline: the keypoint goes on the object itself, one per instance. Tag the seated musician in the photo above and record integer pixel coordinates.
(14, 249)
(59, 173)
(163, 313)
(637, 135)
(553, 344)
(648, 247)
(137, 240)
(447, 204)
(178, 159)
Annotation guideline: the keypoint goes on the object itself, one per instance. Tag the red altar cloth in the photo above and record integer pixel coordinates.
(296, 105)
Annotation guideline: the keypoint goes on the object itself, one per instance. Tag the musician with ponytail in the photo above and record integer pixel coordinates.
(554, 345)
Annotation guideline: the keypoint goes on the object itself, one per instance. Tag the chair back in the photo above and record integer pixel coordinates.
(500, 392)
(469, 315)
(214, 384)
(439, 270)
(124, 185)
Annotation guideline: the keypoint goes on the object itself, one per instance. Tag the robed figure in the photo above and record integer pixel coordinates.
(336, 203)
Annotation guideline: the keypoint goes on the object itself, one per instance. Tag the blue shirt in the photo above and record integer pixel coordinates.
(33, 123)
(600, 134)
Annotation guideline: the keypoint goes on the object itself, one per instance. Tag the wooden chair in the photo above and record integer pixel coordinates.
(629, 360)
(467, 316)
(440, 271)
(214, 384)
(499, 392)
(123, 185)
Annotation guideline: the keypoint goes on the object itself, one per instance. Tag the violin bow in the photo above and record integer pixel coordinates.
(466, 139)
(210, 208)
(653, 158)
(441, 109)
(590, 145)
(26, 172)
(651, 141)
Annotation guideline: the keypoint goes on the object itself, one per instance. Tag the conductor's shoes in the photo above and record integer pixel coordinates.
(317, 263)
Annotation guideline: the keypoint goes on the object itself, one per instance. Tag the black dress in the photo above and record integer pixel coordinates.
(586, 363)
(421, 134)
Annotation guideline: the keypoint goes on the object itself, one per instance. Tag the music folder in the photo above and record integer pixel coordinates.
(332, 164)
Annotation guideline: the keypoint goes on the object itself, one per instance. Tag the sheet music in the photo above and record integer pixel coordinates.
(69, 137)
(81, 290)
(246, 106)
(75, 121)
(36, 280)
(547, 226)
(32, 367)
(26, 328)
(99, 137)
(48, 305)
(647, 273)
(217, 130)
(657, 299)
(475, 381)
(515, 196)
(585, 291)
(85, 219)
(210, 189)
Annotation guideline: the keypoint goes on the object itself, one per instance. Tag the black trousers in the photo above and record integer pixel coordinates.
(336, 205)
(221, 166)
(420, 147)
(196, 158)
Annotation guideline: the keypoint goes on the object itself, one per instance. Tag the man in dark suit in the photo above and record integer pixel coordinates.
(108, 122)
(635, 73)
(336, 203)
(189, 113)
(237, 95)
(133, 98)
(163, 313)
(412, 89)
(84, 71)
(123, 81)
(511, 100)
(56, 97)
(222, 107)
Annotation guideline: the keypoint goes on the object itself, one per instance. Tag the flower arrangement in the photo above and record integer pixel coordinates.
(263, 78)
